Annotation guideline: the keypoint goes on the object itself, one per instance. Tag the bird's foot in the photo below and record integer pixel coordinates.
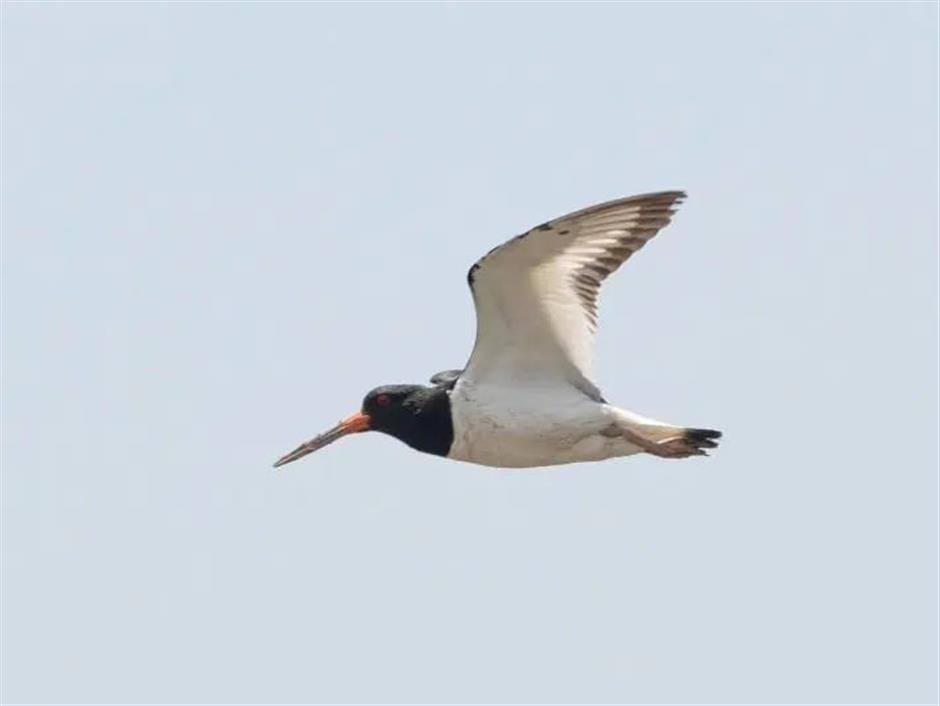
(679, 447)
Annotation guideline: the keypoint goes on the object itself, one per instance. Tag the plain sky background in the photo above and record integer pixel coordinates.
(224, 223)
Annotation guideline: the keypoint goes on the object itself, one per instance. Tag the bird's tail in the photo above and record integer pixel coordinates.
(702, 438)
(666, 440)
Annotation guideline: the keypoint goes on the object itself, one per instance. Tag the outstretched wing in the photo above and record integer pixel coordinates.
(536, 295)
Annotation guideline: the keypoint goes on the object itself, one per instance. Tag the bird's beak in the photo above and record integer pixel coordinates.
(351, 425)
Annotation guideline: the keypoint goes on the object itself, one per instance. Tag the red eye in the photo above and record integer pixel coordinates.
(383, 400)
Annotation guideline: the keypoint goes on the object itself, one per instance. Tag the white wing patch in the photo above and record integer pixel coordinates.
(536, 295)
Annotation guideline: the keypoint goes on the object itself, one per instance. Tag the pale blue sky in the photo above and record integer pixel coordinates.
(223, 223)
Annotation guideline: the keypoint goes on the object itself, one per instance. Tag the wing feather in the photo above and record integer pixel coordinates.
(536, 294)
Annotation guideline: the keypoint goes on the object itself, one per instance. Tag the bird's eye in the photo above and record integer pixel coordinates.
(383, 400)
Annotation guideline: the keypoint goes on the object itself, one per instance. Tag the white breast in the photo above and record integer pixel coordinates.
(530, 425)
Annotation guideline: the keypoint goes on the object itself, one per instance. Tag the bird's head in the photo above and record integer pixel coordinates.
(419, 416)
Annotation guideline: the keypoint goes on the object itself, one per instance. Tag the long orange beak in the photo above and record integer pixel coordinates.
(351, 425)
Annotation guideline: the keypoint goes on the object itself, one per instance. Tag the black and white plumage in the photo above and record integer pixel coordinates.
(527, 396)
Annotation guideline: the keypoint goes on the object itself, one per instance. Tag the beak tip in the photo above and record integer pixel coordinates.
(354, 423)
(284, 460)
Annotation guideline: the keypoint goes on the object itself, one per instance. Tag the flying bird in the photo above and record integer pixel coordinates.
(527, 396)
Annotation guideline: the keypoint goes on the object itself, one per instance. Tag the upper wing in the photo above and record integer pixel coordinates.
(536, 295)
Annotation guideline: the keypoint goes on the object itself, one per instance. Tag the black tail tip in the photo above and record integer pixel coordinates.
(703, 437)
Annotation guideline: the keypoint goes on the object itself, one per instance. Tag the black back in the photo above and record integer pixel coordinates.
(420, 416)
(446, 378)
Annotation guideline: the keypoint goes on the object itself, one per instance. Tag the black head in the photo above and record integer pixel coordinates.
(385, 403)
(418, 415)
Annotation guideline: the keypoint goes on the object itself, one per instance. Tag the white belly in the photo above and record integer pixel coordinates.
(531, 426)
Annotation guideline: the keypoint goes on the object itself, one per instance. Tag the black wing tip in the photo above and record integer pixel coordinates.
(664, 202)
(668, 199)
(675, 196)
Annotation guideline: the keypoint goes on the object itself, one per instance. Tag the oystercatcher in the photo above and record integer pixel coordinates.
(526, 396)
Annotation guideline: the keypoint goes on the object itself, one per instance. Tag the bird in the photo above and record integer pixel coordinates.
(526, 397)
